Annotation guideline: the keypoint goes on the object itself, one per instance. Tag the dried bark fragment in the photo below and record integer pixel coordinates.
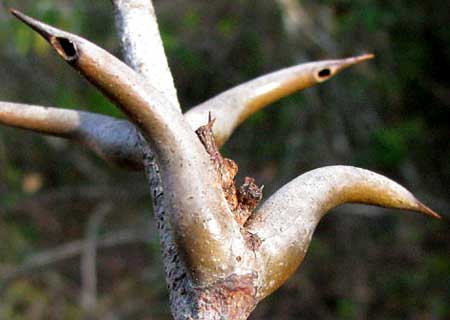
(226, 168)
(233, 298)
(241, 201)
(249, 195)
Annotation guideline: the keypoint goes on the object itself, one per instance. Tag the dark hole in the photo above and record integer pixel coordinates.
(324, 73)
(67, 47)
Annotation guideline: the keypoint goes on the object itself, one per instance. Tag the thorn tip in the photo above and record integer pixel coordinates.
(19, 15)
(365, 56)
(39, 27)
(426, 210)
(360, 58)
(345, 63)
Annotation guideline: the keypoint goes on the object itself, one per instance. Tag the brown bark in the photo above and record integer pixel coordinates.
(241, 200)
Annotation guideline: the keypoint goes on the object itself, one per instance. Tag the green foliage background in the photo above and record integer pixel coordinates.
(390, 115)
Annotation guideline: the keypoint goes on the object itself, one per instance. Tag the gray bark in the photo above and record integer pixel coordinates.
(183, 299)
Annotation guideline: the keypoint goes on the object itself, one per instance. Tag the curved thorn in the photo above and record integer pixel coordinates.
(234, 106)
(286, 221)
(205, 230)
(111, 139)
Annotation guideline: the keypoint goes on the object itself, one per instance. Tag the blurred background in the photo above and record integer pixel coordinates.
(77, 240)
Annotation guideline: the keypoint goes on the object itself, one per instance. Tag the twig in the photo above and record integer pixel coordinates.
(89, 259)
(72, 249)
(87, 193)
(297, 21)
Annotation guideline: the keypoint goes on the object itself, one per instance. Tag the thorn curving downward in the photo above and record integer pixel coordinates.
(286, 221)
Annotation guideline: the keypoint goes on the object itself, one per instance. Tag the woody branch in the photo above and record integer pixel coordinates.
(203, 228)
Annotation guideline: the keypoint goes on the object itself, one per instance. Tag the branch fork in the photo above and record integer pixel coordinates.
(219, 246)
